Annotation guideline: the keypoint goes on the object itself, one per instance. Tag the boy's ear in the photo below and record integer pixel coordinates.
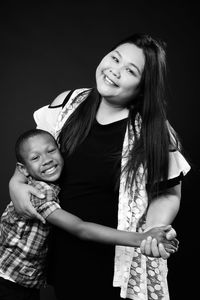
(22, 169)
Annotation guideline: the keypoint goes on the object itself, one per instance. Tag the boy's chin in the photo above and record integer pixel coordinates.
(50, 179)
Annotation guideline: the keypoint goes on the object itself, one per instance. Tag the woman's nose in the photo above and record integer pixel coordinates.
(115, 72)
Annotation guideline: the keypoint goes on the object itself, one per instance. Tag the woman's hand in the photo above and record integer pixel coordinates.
(20, 193)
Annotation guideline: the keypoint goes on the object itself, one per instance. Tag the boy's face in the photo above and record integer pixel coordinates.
(42, 158)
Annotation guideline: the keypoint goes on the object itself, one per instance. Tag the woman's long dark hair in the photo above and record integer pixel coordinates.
(151, 147)
(78, 125)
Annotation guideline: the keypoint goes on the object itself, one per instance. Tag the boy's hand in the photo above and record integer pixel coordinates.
(159, 233)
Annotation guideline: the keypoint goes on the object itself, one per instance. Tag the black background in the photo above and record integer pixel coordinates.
(49, 48)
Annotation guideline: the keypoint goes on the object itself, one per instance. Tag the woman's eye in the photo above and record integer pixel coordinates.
(130, 71)
(115, 58)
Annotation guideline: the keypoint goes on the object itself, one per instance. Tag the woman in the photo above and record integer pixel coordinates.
(123, 168)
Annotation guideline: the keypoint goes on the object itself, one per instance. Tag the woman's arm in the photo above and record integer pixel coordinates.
(20, 193)
(103, 234)
(162, 211)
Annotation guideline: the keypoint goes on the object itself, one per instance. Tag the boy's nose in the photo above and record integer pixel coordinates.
(46, 161)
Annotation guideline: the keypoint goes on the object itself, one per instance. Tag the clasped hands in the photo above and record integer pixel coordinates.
(169, 244)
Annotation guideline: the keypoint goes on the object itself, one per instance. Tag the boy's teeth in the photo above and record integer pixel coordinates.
(49, 171)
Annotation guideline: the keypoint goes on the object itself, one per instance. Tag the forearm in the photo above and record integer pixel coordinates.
(163, 209)
(107, 235)
(94, 232)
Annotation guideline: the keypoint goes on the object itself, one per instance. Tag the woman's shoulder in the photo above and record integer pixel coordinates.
(46, 117)
(59, 100)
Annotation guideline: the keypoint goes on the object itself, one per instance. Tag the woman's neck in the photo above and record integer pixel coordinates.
(109, 113)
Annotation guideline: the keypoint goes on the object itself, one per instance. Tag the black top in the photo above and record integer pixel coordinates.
(90, 190)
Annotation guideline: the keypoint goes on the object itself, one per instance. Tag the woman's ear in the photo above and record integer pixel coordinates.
(21, 167)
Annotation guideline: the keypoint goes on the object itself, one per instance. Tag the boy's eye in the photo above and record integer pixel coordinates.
(35, 157)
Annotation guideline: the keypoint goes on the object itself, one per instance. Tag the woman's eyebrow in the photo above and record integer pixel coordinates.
(129, 62)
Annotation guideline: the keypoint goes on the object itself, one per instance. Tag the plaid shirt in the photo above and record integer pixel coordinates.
(23, 243)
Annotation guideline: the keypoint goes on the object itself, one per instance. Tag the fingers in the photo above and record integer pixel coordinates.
(175, 242)
(35, 192)
(171, 244)
(39, 217)
(170, 248)
(163, 253)
(142, 247)
(171, 234)
(31, 213)
(154, 248)
(149, 247)
(145, 246)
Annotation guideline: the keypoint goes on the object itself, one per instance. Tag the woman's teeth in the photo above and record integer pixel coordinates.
(109, 81)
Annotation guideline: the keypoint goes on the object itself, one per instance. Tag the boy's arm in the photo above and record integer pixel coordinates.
(99, 233)
(93, 232)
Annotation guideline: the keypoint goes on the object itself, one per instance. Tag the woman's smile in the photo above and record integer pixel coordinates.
(109, 81)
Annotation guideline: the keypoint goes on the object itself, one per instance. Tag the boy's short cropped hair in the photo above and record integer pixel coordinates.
(24, 137)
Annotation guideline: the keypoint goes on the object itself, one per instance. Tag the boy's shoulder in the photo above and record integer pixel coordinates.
(44, 187)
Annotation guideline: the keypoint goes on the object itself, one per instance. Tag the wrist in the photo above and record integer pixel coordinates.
(139, 238)
(148, 227)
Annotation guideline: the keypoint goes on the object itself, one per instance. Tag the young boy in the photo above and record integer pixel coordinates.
(23, 243)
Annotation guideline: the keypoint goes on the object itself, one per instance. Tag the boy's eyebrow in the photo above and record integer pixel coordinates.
(129, 63)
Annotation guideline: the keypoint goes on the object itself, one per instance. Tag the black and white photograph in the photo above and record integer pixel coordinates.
(100, 150)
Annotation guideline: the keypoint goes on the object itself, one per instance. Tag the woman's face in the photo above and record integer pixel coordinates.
(119, 74)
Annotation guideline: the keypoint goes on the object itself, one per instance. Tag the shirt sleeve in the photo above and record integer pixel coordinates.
(46, 205)
(177, 165)
(46, 118)
(178, 168)
(47, 208)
